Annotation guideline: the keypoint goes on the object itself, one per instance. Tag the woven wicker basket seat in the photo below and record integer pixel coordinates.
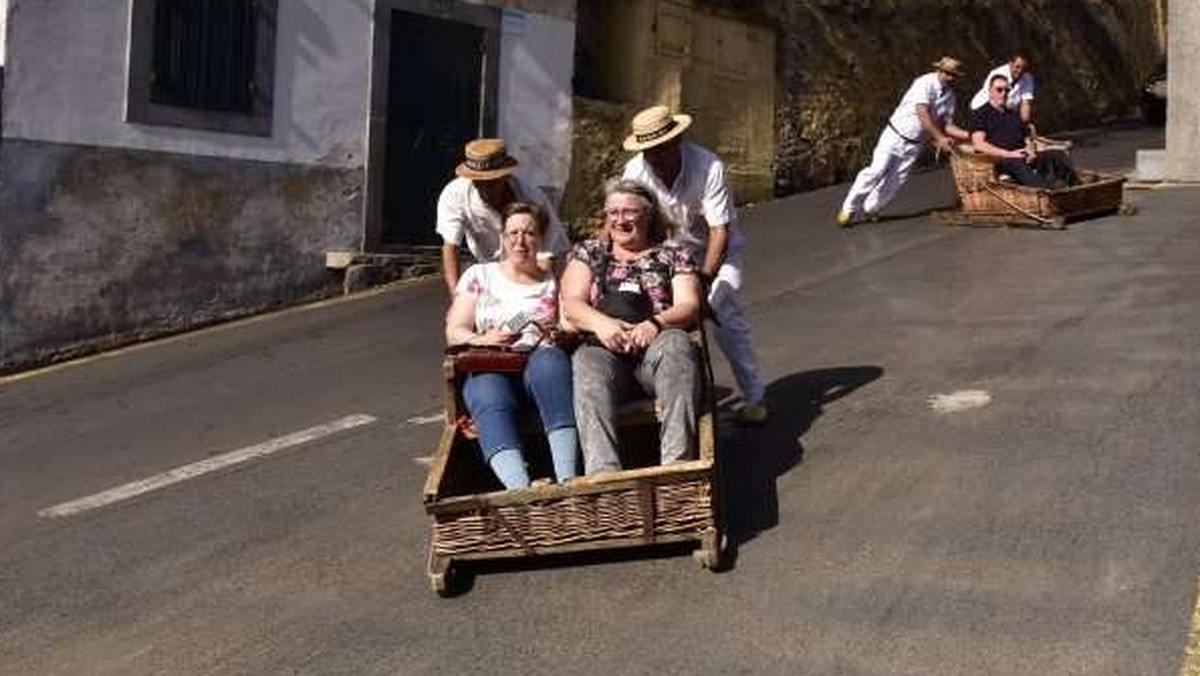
(473, 518)
(984, 197)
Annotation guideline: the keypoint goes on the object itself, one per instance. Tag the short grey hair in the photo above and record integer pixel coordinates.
(661, 225)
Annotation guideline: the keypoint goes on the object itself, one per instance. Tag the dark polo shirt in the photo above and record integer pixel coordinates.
(1002, 127)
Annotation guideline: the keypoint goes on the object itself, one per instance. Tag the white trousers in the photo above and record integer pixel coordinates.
(733, 332)
(878, 184)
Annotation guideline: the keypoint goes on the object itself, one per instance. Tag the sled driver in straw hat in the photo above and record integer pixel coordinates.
(691, 185)
(471, 209)
(926, 113)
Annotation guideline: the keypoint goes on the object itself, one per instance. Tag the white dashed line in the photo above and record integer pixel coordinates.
(195, 469)
(426, 419)
(963, 400)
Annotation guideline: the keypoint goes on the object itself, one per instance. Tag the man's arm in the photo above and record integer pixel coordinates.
(450, 267)
(714, 251)
(1027, 118)
(940, 139)
(979, 140)
(957, 132)
(1027, 112)
(719, 214)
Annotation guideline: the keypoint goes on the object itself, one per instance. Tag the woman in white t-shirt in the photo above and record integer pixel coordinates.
(514, 302)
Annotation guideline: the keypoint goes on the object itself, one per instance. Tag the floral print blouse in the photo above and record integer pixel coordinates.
(650, 273)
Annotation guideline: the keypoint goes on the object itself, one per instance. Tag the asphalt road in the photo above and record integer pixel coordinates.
(1054, 530)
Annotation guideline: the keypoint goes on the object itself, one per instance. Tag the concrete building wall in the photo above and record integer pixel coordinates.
(715, 65)
(3, 29)
(67, 83)
(111, 231)
(536, 66)
(1183, 107)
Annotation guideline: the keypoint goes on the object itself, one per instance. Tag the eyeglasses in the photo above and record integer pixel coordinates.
(621, 214)
(999, 89)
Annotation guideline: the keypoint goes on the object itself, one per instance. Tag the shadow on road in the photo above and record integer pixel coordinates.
(754, 458)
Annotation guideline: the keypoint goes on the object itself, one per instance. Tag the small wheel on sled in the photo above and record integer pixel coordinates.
(1127, 209)
(1057, 223)
(446, 578)
(708, 554)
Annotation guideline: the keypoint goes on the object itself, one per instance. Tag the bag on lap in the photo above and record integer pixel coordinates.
(488, 359)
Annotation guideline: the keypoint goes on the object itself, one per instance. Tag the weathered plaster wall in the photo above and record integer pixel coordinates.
(599, 129)
(717, 67)
(1183, 111)
(3, 29)
(66, 83)
(101, 246)
(536, 67)
(845, 63)
(842, 65)
(111, 231)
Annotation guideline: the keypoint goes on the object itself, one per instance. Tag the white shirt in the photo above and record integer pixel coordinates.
(503, 303)
(699, 199)
(463, 215)
(929, 90)
(1021, 90)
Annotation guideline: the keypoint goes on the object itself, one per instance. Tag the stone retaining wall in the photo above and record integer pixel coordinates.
(842, 65)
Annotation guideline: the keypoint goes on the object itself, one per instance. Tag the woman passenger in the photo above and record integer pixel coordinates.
(513, 302)
(637, 294)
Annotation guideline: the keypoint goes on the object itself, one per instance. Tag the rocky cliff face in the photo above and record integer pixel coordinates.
(842, 66)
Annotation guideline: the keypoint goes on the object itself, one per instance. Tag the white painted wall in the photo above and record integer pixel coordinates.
(66, 83)
(537, 59)
(3, 27)
(67, 69)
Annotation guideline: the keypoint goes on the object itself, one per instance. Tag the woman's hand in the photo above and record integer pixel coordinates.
(643, 334)
(614, 334)
(495, 337)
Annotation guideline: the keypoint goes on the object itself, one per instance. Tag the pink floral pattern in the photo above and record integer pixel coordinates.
(653, 271)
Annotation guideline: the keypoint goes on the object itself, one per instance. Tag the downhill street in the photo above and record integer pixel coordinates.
(1053, 530)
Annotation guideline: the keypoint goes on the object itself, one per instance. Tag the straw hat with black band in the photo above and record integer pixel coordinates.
(654, 126)
(949, 65)
(486, 159)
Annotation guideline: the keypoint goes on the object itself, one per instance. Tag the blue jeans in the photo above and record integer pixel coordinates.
(495, 399)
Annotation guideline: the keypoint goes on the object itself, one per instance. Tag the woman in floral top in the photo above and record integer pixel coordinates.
(514, 302)
(637, 294)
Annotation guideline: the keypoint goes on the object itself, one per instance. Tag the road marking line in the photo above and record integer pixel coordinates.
(426, 419)
(1191, 652)
(424, 461)
(956, 402)
(195, 469)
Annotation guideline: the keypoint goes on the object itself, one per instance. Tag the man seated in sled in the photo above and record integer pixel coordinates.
(998, 131)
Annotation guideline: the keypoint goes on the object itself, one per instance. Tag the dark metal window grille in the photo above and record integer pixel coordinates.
(203, 54)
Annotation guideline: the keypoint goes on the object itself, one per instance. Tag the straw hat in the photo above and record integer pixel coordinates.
(948, 64)
(486, 159)
(653, 126)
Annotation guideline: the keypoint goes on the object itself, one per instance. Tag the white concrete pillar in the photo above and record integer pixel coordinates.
(1183, 97)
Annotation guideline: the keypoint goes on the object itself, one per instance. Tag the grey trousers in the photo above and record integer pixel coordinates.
(669, 370)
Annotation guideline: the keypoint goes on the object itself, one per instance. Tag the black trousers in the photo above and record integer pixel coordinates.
(1050, 169)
